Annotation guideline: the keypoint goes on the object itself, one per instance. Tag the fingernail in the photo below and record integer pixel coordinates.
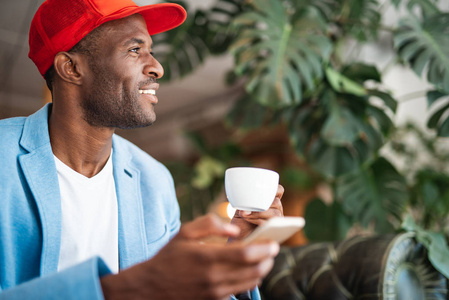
(246, 213)
(274, 249)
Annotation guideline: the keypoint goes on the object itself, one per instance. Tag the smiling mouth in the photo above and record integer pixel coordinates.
(147, 92)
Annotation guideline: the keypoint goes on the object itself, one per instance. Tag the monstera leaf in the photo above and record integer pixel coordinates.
(343, 84)
(426, 45)
(428, 7)
(345, 141)
(281, 51)
(333, 161)
(360, 72)
(375, 194)
(340, 129)
(439, 120)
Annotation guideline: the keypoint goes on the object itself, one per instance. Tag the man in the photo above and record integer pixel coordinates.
(78, 203)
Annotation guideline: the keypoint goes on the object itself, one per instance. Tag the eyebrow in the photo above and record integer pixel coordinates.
(134, 41)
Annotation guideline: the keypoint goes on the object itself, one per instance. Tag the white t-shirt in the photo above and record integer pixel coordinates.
(89, 216)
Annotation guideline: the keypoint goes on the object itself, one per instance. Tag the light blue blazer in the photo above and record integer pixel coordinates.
(30, 214)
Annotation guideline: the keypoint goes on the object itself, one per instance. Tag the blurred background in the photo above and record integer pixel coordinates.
(346, 99)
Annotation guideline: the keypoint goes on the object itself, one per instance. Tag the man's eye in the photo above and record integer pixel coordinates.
(135, 50)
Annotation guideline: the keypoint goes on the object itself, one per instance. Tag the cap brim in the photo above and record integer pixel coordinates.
(159, 17)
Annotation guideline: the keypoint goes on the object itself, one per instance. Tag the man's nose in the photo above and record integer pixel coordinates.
(153, 68)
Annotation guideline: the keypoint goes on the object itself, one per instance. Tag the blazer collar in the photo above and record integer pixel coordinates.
(35, 130)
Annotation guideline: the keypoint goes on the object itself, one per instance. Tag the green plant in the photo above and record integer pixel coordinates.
(292, 58)
(198, 182)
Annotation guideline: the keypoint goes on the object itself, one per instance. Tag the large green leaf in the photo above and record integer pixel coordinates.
(426, 45)
(439, 119)
(434, 96)
(282, 56)
(343, 84)
(360, 72)
(388, 100)
(336, 133)
(428, 7)
(334, 161)
(325, 222)
(376, 194)
(380, 121)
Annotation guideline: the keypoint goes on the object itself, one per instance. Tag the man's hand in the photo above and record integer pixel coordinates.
(247, 221)
(188, 268)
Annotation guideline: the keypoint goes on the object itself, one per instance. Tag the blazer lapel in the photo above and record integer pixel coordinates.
(131, 239)
(40, 173)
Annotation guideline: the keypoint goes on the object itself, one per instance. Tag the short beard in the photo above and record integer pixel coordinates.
(102, 108)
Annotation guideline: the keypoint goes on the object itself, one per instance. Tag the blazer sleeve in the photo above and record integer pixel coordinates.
(255, 295)
(78, 282)
(249, 295)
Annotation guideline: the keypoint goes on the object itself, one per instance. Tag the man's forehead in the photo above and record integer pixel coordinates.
(132, 29)
(134, 23)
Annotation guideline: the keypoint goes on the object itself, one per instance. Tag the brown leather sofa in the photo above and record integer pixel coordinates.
(389, 267)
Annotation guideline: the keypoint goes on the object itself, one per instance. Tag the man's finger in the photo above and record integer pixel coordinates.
(238, 253)
(250, 273)
(207, 226)
(240, 280)
(280, 191)
(268, 214)
(259, 218)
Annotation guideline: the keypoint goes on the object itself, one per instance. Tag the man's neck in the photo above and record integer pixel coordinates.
(82, 147)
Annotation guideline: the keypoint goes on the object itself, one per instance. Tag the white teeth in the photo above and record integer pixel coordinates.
(151, 92)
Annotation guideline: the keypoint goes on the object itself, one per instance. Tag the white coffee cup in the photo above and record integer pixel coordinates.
(251, 189)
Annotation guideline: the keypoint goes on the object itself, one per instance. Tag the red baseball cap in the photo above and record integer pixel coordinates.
(58, 25)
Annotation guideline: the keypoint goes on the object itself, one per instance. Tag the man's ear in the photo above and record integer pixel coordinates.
(69, 67)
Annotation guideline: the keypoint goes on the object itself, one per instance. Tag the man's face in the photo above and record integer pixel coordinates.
(120, 86)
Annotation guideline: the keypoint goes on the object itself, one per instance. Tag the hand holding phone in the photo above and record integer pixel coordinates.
(278, 229)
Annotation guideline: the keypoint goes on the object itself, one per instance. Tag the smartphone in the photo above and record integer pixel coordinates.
(278, 229)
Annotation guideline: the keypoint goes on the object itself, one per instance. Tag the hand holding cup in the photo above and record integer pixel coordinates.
(256, 194)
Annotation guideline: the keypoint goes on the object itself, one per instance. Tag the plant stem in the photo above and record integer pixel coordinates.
(412, 96)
